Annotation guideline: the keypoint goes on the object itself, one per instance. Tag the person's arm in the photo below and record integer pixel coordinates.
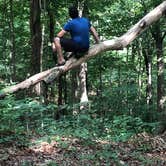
(95, 34)
(61, 33)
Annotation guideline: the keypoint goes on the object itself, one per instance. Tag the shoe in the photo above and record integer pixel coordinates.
(61, 64)
(68, 55)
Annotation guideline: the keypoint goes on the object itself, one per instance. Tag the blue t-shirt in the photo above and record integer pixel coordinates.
(79, 30)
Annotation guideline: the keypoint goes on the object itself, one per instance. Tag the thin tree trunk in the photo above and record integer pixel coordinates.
(149, 82)
(51, 29)
(51, 36)
(51, 24)
(60, 90)
(100, 88)
(62, 94)
(83, 89)
(157, 34)
(161, 99)
(127, 92)
(36, 40)
(42, 46)
(74, 86)
(160, 75)
(12, 48)
(60, 97)
(149, 79)
(102, 107)
(148, 64)
(83, 72)
(139, 73)
(65, 89)
(41, 85)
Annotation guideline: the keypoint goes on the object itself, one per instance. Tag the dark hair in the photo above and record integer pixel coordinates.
(73, 12)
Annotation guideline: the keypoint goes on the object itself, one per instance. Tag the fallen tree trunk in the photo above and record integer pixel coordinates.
(115, 44)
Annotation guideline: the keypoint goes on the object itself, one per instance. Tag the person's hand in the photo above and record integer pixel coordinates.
(53, 47)
(97, 42)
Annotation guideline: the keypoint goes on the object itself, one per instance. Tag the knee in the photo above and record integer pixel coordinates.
(56, 40)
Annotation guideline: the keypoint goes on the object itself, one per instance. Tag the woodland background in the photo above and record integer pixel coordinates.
(125, 108)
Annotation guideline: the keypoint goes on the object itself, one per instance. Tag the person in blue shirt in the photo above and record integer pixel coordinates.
(79, 28)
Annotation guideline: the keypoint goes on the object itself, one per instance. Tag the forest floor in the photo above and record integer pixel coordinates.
(141, 149)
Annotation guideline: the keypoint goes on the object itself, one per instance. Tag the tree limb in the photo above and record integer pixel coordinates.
(115, 44)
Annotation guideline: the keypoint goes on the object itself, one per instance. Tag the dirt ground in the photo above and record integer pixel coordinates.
(141, 149)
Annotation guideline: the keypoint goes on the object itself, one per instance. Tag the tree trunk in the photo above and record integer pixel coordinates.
(36, 39)
(83, 72)
(160, 74)
(51, 24)
(65, 89)
(60, 90)
(83, 89)
(74, 86)
(60, 97)
(51, 29)
(148, 64)
(12, 47)
(157, 34)
(161, 99)
(139, 73)
(149, 82)
(62, 94)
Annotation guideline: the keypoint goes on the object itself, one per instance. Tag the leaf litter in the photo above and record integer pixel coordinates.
(141, 149)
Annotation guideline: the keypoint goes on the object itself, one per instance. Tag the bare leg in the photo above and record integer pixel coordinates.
(53, 47)
(57, 44)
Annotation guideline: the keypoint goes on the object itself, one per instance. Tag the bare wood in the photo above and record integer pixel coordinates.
(115, 44)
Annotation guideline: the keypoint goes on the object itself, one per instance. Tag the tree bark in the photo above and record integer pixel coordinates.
(74, 86)
(51, 28)
(115, 44)
(139, 72)
(83, 87)
(12, 47)
(51, 24)
(83, 71)
(36, 39)
(147, 53)
(160, 77)
(160, 68)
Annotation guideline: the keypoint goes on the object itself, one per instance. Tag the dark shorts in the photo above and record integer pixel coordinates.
(70, 46)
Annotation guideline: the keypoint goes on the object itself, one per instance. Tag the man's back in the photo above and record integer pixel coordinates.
(79, 30)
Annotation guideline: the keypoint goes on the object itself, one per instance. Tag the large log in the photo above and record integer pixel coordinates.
(115, 44)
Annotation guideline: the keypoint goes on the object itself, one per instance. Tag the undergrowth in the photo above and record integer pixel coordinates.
(21, 119)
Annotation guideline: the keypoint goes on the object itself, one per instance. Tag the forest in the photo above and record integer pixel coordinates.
(104, 107)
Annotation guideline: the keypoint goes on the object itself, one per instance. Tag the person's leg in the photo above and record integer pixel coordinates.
(53, 47)
(68, 45)
(57, 47)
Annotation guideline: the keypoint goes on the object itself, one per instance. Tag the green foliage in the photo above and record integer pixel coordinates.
(123, 127)
(23, 117)
(28, 116)
(85, 127)
(117, 84)
(52, 163)
(117, 81)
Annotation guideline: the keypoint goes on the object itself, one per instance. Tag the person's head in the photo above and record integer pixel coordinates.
(73, 12)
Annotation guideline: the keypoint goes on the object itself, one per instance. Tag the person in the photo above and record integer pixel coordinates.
(79, 28)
